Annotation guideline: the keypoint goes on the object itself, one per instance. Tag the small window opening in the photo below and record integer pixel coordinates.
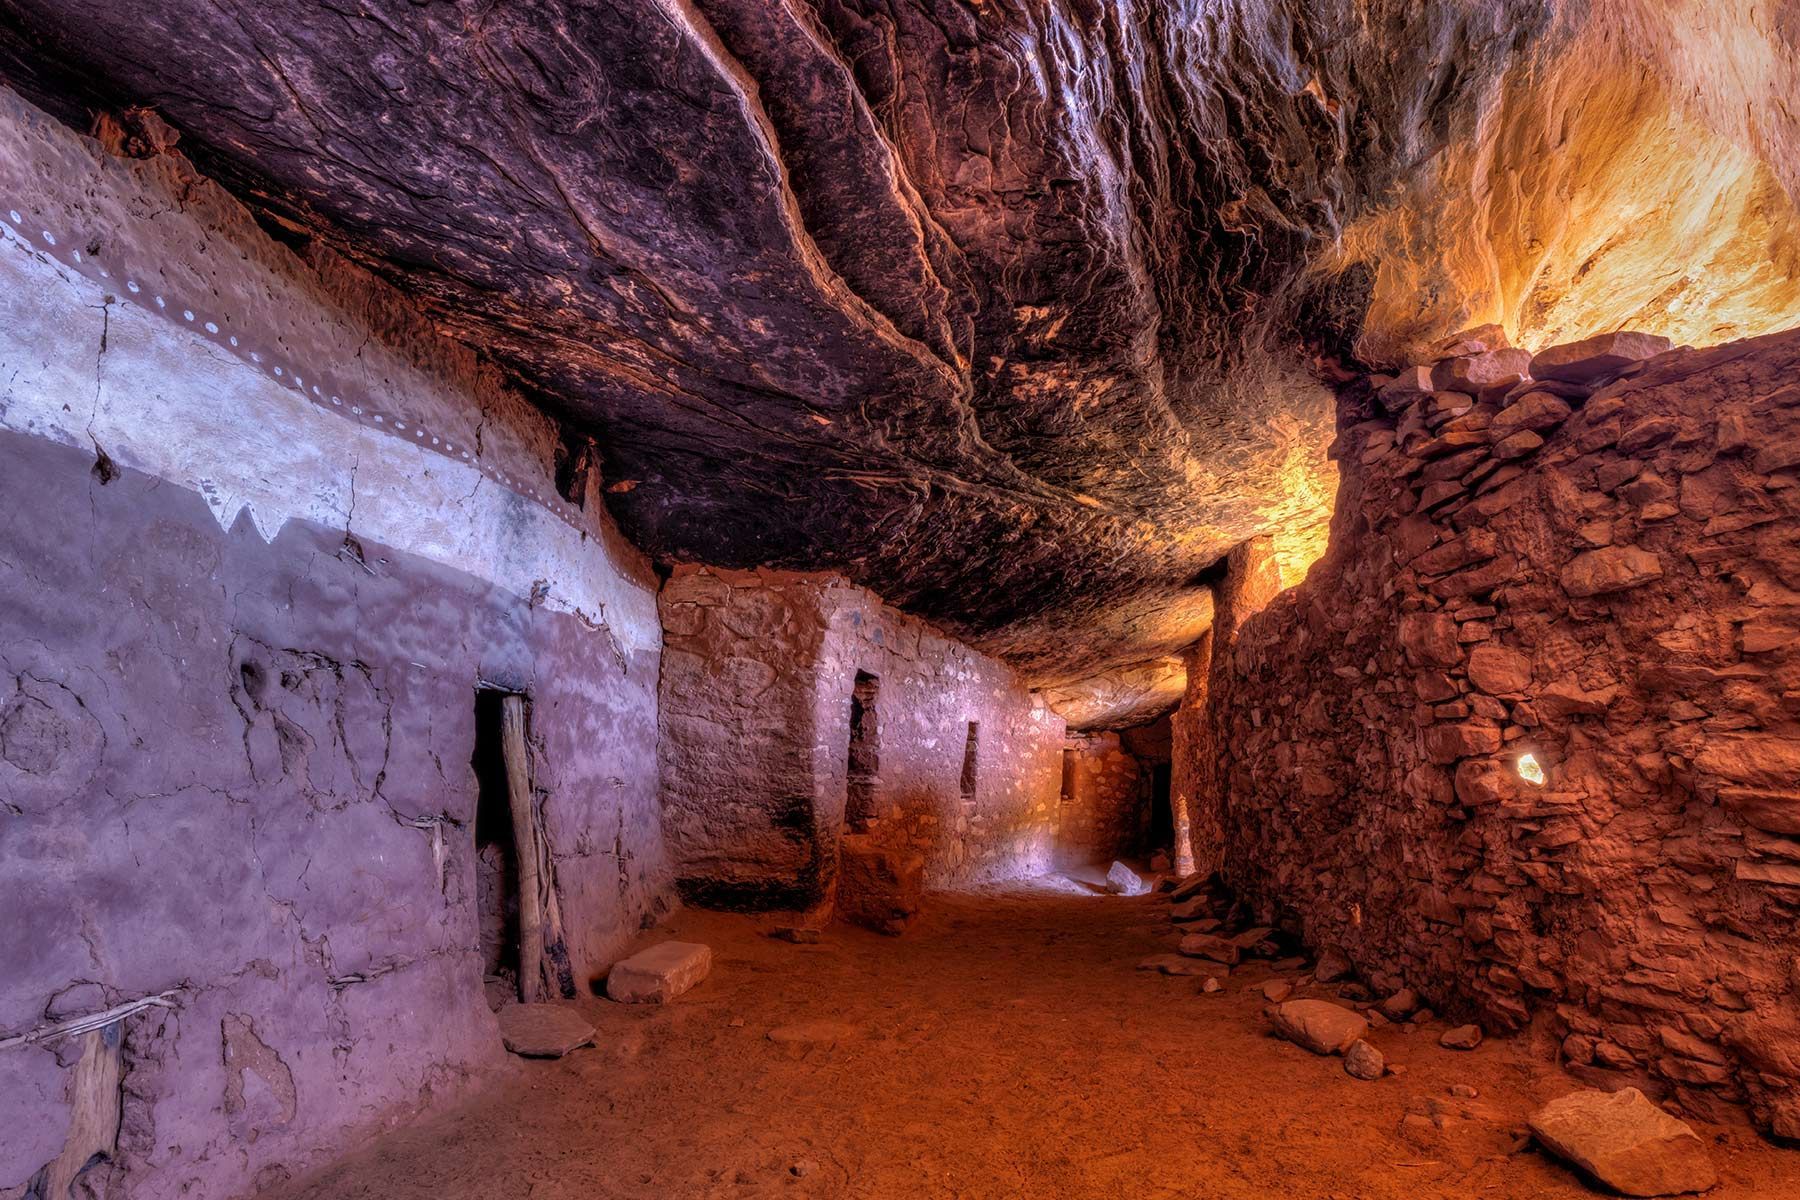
(865, 751)
(971, 749)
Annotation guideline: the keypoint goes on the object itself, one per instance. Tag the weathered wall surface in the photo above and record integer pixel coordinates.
(1610, 583)
(1103, 802)
(266, 538)
(758, 671)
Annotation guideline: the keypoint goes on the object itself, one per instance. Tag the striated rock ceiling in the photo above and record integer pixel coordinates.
(1020, 312)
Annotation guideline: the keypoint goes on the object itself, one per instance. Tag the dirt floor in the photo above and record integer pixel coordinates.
(1005, 1047)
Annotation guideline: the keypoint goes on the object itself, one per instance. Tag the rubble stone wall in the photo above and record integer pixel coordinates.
(241, 632)
(1604, 576)
(758, 672)
(1103, 804)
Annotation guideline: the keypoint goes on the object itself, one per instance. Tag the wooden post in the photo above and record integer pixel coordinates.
(525, 847)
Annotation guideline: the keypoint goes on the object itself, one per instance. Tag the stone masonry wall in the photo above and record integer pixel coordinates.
(758, 671)
(1103, 805)
(1604, 576)
(267, 535)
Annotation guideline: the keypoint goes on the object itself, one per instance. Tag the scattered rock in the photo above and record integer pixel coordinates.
(1176, 964)
(1121, 880)
(1210, 945)
(1332, 966)
(1318, 1025)
(1626, 1142)
(1399, 1004)
(543, 1030)
(1363, 1061)
(1463, 1037)
(1463, 1091)
(1277, 990)
(659, 974)
(1197, 909)
(1211, 985)
(800, 937)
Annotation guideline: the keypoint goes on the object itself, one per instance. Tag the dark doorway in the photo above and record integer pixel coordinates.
(865, 752)
(971, 751)
(1162, 816)
(496, 852)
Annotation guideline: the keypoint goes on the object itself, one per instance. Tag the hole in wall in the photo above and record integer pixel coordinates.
(496, 853)
(970, 763)
(865, 751)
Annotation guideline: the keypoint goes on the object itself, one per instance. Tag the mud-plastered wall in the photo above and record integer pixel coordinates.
(768, 676)
(266, 536)
(1528, 739)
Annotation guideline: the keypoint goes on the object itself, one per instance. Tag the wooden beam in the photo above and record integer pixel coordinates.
(525, 847)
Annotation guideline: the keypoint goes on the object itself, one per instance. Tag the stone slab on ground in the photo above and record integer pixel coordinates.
(659, 974)
(1177, 964)
(543, 1030)
(1626, 1142)
(1123, 881)
(1318, 1025)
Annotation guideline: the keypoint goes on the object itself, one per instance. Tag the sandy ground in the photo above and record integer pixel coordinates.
(1005, 1047)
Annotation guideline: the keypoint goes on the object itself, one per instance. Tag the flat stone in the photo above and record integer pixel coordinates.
(1463, 1037)
(1121, 880)
(1318, 1025)
(1610, 569)
(814, 1033)
(1363, 1061)
(1626, 1142)
(1596, 357)
(1176, 964)
(1277, 990)
(1517, 445)
(1537, 412)
(1498, 670)
(659, 974)
(1483, 375)
(542, 1030)
(1210, 945)
(1197, 909)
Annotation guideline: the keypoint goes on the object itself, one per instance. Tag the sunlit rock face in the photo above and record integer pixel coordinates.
(1014, 312)
(1634, 167)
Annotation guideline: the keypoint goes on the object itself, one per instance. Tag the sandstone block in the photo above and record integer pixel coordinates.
(1482, 375)
(543, 1030)
(1363, 1061)
(1121, 880)
(1463, 1037)
(1318, 1025)
(1332, 966)
(1517, 445)
(1538, 412)
(1446, 743)
(1597, 357)
(1210, 945)
(1429, 640)
(1610, 569)
(1499, 671)
(659, 974)
(1625, 1142)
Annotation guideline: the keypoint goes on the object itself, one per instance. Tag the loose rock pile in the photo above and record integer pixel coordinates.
(1620, 1140)
(1528, 738)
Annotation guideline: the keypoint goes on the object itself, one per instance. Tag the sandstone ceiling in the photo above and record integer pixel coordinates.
(1020, 312)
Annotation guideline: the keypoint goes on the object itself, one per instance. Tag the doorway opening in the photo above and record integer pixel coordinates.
(496, 852)
(971, 751)
(1162, 816)
(865, 752)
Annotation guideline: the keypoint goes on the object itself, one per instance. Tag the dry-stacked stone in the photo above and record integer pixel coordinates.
(1591, 556)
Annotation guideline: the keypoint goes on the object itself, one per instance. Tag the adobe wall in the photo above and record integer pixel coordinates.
(758, 671)
(1610, 583)
(267, 537)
